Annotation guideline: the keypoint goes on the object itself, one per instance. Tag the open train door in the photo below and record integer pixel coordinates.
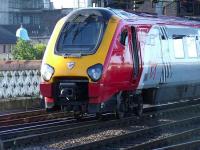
(135, 55)
(137, 98)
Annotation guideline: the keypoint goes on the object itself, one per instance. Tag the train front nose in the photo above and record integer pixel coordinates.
(68, 90)
(75, 58)
(72, 93)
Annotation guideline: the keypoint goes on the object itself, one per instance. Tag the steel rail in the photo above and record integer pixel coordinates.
(173, 139)
(52, 127)
(183, 146)
(33, 124)
(34, 118)
(127, 139)
(23, 114)
(182, 103)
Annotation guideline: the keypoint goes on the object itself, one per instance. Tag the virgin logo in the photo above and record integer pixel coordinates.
(70, 65)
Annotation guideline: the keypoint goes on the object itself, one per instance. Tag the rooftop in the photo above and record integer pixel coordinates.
(7, 37)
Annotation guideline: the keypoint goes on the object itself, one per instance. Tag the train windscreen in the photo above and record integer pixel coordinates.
(82, 34)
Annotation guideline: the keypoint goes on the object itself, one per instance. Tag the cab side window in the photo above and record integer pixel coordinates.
(123, 36)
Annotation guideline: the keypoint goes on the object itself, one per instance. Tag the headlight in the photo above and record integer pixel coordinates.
(46, 72)
(95, 72)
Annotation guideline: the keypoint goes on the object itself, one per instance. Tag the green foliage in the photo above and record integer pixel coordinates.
(24, 50)
(40, 48)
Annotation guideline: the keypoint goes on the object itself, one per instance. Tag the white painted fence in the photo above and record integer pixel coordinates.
(19, 79)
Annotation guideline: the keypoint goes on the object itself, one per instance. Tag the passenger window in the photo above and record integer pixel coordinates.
(184, 39)
(178, 48)
(123, 37)
(191, 47)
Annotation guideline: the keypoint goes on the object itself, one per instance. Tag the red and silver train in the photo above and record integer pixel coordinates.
(106, 60)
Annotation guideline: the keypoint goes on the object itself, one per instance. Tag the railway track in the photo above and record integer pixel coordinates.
(191, 145)
(57, 130)
(24, 114)
(28, 117)
(150, 138)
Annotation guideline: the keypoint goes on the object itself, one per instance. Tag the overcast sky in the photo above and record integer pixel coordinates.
(68, 3)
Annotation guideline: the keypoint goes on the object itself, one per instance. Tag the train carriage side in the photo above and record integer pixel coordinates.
(171, 64)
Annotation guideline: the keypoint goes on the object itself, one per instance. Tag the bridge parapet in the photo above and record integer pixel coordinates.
(19, 79)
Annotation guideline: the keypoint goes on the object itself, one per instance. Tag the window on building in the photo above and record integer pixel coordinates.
(36, 4)
(16, 19)
(8, 48)
(15, 4)
(26, 20)
(4, 48)
(10, 19)
(36, 20)
(1, 49)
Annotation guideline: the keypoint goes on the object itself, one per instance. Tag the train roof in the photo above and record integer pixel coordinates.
(147, 18)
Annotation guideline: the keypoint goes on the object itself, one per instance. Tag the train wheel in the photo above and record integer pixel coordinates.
(42, 102)
(99, 116)
(78, 115)
(139, 105)
(53, 109)
(122, 107)
(49, 110)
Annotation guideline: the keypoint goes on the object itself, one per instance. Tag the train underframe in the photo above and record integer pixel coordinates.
(73, 95)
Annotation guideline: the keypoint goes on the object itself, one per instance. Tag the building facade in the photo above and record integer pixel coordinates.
(59, 4)
(14, 12)
(162, 7)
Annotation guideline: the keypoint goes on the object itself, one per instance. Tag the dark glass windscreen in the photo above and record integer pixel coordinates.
(82, 34)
